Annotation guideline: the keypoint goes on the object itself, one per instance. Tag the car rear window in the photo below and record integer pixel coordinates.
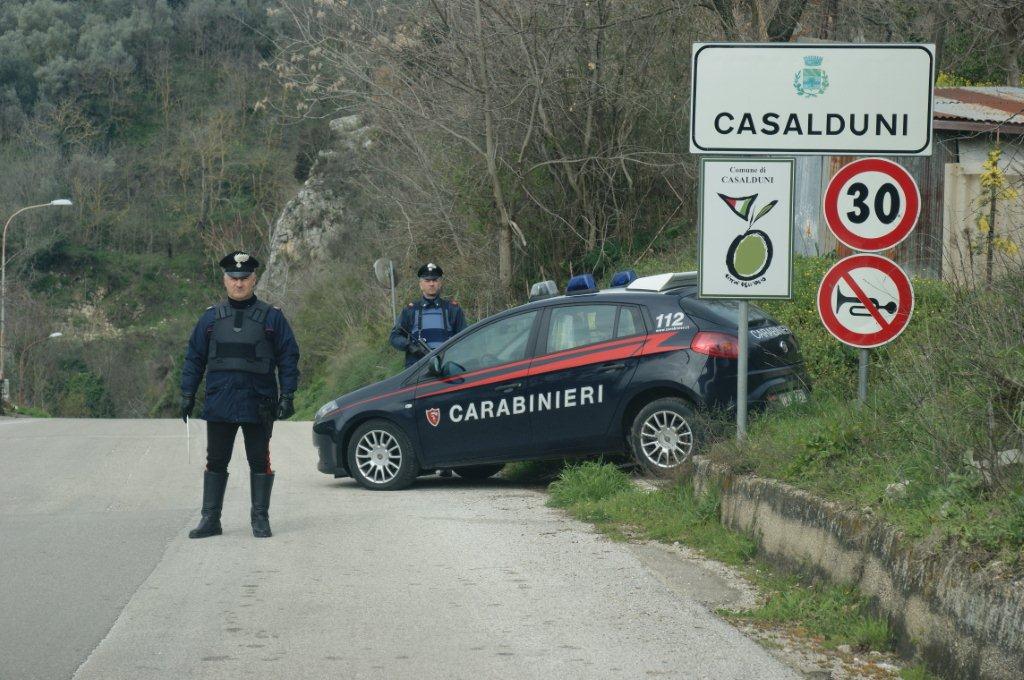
(725, 312)
(630, 322)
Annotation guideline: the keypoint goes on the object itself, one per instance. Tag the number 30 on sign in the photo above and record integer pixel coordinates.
(872, 204)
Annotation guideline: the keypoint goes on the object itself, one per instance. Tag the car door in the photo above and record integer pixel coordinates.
(585, 360)
(477, 409)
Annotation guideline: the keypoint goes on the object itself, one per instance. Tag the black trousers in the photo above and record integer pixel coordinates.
(220, 439)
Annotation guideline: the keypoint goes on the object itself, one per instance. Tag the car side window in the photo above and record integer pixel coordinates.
(630, 322)
(574, 326)
(498, 343)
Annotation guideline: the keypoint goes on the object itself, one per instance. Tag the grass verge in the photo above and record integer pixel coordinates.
(30, 411)
(605, 496)
(935, 450)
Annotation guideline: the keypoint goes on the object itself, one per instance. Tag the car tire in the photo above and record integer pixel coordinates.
(664, 435)
(381, 457)
(478, 473)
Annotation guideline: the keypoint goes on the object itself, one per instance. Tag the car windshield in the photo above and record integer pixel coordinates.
(498, 343)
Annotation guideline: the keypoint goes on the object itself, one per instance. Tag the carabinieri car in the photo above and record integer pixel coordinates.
(593, 371)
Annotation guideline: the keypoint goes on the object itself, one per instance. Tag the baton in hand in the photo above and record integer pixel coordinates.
(188, 440)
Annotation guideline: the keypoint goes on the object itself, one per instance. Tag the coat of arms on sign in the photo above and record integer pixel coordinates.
(811, 80)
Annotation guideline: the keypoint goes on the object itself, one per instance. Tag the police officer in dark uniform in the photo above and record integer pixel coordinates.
(428, 322)
(240, 344)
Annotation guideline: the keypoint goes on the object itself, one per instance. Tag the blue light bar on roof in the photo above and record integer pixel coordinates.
(625, 278)
(581, 283)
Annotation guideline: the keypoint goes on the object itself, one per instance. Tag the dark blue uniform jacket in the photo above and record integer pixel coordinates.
(234, 396)
(454, 322)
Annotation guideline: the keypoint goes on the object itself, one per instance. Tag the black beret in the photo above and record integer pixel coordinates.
(239, 264)
(430, 271)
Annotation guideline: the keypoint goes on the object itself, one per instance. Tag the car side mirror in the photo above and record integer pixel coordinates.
(434, 367)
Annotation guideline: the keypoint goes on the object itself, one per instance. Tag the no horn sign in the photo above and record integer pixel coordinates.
(865, 300)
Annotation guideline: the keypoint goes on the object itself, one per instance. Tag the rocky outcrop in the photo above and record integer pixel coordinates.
(319, 215)
(963, 621)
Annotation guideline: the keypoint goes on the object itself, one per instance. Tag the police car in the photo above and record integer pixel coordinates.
(591, 371)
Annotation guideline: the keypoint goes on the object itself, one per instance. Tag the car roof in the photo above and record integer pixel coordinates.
(620, 294)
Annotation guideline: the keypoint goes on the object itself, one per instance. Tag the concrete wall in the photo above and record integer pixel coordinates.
(962, 621)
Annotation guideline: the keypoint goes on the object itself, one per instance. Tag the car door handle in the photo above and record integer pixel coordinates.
(504, 389)
(617, 366)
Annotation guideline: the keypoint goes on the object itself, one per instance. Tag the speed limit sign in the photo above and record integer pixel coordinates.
(872, 204)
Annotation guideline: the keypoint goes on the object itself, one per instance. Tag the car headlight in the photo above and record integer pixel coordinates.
(325, 409)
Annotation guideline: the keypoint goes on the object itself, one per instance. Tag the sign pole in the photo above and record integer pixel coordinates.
(741, 375)
(391, 280)
(862, 377)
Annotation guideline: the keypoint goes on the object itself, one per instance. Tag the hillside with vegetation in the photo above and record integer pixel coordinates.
(511, 142)
(151, 117)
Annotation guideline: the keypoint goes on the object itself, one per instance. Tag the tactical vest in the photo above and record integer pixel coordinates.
(432, 335)
(239, 341)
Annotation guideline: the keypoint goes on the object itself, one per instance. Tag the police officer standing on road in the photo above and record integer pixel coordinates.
(428, 322)
(239, 343)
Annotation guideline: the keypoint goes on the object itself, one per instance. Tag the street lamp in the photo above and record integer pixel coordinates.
(21, 364)
(3, 290)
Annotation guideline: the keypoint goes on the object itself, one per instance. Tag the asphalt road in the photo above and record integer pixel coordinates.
(99, 580)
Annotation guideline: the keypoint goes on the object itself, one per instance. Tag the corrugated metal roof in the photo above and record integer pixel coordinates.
(980, 104)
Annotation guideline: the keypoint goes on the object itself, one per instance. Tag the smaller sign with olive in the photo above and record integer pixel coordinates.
(746, 226)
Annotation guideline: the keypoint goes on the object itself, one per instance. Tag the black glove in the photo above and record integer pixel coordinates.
(285, 407)
(188, 402)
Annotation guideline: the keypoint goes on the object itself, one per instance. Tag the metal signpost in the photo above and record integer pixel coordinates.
(871, 204)
(384, 270)
(746, 234)
(804, 99)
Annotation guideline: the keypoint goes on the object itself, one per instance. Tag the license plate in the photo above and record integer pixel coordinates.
(791, 397)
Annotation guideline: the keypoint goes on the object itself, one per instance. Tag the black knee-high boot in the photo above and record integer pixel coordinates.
(214, 484)
(260, 486)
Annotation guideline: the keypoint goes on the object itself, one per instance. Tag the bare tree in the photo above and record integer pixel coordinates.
(570, 112)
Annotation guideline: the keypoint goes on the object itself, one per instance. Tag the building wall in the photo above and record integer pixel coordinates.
(807, 215)
(965, 246)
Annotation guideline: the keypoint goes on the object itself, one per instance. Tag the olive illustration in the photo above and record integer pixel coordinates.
(749, 255)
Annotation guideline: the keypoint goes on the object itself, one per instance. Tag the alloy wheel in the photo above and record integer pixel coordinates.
(378, 456)
(666, 439)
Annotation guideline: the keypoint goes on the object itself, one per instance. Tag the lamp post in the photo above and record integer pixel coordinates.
(3, 290)
(21, 364)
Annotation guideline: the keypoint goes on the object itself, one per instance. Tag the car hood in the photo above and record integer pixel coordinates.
(350, 399)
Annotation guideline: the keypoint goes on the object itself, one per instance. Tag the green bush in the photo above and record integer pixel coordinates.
(587, 482)
(84, 395)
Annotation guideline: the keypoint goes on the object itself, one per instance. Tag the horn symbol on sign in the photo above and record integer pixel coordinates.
(857, 309)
